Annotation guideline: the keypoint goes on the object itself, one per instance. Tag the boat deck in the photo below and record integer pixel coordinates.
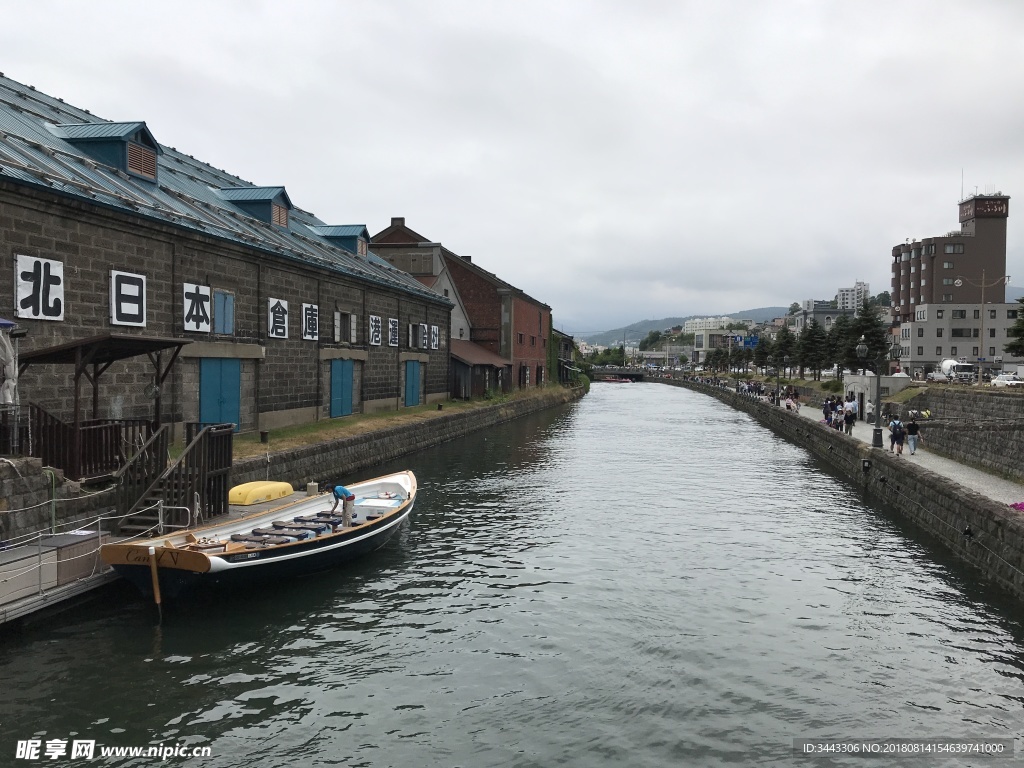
(27, 584)
(46, 594)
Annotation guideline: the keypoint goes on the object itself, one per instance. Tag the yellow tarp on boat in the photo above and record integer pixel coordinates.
(257, 491)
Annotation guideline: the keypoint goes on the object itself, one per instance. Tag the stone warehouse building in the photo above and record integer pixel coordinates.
(492, 314)
(284, 318)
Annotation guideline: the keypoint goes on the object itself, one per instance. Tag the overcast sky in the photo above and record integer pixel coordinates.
(617, 160)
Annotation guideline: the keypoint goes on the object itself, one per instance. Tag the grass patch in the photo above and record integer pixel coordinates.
(285, 438)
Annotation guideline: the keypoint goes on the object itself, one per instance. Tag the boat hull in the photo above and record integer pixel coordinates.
(181, 568)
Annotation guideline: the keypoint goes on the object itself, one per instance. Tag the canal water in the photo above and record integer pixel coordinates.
(644, 578)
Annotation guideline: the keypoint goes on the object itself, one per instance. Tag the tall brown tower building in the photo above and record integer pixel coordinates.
(928, 271)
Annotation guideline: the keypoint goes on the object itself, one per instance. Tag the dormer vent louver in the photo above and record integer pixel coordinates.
(128, 147)
(141, 160)
(279, 215)
(268, 204)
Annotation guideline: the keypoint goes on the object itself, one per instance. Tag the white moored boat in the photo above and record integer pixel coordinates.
(289, 540)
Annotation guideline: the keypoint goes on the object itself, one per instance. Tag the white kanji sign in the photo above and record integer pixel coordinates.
(197, 302)
(127, 299)
(277, 318)
(375, 331)
(434, 335)
(310, 322)
(39, 288)
(392, 331)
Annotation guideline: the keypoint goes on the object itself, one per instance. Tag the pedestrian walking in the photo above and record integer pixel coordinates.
(869, 411)
(897, 435)
(913, 435)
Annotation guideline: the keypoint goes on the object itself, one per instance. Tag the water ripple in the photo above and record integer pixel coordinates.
(645, 578)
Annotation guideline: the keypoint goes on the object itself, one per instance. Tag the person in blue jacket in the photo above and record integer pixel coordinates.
(343, 494)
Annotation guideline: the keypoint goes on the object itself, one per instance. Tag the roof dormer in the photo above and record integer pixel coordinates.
(352, 237)
(129, 147)
(269, 204)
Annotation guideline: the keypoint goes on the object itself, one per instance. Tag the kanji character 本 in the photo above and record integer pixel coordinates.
(310, 322)
(197, 303)
(40, 288)
(277, 324)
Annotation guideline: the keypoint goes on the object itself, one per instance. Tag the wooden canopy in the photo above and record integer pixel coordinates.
(99, 353)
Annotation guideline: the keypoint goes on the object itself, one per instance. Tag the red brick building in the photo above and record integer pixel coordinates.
(502, 319)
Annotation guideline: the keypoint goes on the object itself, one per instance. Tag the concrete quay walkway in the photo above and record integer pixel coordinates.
(992, 486)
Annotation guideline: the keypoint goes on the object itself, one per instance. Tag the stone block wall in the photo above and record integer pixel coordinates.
(26, 490)
(937, 505)
(286, 385)
(325, 462)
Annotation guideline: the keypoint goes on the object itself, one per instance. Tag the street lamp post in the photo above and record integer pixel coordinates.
(894, 352)
(862, 353)
(960, 280)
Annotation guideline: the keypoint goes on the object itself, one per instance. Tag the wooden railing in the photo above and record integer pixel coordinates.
(105, 444)
(15, 432)
(142, 473)
(53, 442)
(204, 468)
(202, 472)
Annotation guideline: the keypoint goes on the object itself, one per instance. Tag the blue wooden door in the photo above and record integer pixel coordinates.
(341, 387)
(220, 388)
(412, 382)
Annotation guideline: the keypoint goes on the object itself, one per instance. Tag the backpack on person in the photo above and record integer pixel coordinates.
(898, 431)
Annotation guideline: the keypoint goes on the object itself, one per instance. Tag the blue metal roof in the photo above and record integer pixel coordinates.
(253, 193)
(96, 130)
(344, 230)
(188, 193)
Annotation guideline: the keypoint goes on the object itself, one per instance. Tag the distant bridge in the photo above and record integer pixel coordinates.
(603, 374)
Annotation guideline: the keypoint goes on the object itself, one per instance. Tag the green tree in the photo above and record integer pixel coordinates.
(650, 341)
(793, 308)
(839, 344)
(868, 325)
(883, 299)
(735, 357)
(785, 345)
(812, 348)
(762, 351)
(1015, 347)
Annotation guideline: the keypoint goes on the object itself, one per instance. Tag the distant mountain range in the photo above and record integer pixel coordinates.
(637, 331)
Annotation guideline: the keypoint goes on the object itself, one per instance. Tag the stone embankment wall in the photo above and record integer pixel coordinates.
(26, 487)
(981, 427)
(352, 454)
(33, 498)
(938, 505)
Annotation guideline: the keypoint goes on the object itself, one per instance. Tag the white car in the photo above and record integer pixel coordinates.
(1007, 380)
(938, 377)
